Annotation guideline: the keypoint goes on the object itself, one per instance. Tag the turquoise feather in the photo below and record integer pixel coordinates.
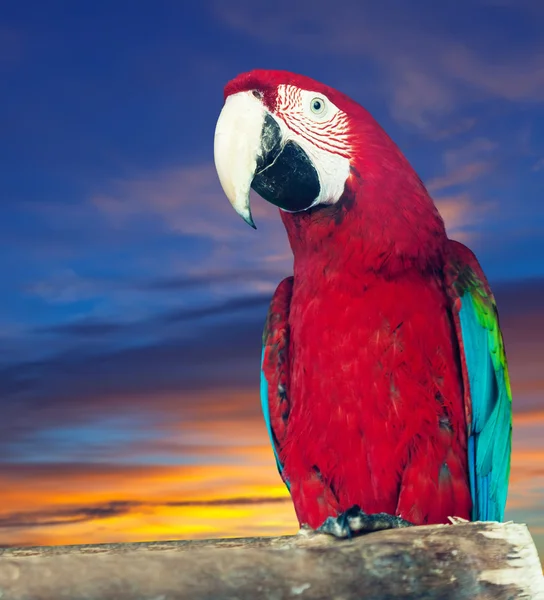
(490, 441)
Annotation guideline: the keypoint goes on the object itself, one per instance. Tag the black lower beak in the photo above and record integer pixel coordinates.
(285, 175)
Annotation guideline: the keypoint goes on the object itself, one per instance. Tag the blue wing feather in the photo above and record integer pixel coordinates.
(489, 443)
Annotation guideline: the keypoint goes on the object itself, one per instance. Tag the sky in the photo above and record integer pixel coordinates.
(133, 297)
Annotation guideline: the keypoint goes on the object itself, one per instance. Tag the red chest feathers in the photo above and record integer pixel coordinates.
(375, 389)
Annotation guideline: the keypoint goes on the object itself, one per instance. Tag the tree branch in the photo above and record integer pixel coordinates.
(473, 561)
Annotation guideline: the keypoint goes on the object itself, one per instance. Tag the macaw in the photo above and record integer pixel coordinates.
(384, 380)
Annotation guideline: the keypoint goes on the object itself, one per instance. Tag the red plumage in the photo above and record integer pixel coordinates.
(361, 352)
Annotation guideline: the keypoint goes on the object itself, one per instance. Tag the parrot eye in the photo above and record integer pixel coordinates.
(317, 106)
(257, 94)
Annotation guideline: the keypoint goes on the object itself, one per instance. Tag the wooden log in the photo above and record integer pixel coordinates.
(461, 561)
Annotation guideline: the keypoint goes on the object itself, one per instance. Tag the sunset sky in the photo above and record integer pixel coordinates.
(133, 297)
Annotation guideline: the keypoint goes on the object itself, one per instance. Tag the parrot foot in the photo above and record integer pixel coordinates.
(354, 521)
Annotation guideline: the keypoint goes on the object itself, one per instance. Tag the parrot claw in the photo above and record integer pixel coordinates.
(354, 521)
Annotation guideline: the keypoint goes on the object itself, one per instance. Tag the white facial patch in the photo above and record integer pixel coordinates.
(321, 129)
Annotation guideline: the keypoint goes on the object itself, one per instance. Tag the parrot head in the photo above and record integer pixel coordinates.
(304, 146)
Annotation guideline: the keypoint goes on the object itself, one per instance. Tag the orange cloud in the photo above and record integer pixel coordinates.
(66, 504)
(457, 212)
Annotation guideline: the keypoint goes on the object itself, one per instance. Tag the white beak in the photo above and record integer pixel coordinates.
(237, 146)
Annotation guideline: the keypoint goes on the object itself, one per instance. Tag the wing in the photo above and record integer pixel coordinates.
(488, 397)
(275, 369)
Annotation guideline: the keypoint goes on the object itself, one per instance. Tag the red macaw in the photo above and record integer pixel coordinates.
(384, 382)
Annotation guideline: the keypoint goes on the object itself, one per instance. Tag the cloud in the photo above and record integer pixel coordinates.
(231, 305)
(514, 79)
(186, 200)
(461, 213)
(456, 128)
(66, 286)
(415, 97)
(89, 327)
(478, 148)
(458, 212)
(84, 328)
(69, 515)
(64, 516)
(191, 281)
(458, 201)
(115, 503)
(539, 165)
(461, 175)
(214, 357)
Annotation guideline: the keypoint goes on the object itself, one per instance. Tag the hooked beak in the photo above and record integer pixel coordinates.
(237, 147)
(250, 151)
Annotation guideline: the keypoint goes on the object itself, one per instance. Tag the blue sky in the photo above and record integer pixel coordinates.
(131, 287)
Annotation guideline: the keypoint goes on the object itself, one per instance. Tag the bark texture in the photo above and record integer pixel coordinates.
(461, 561)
